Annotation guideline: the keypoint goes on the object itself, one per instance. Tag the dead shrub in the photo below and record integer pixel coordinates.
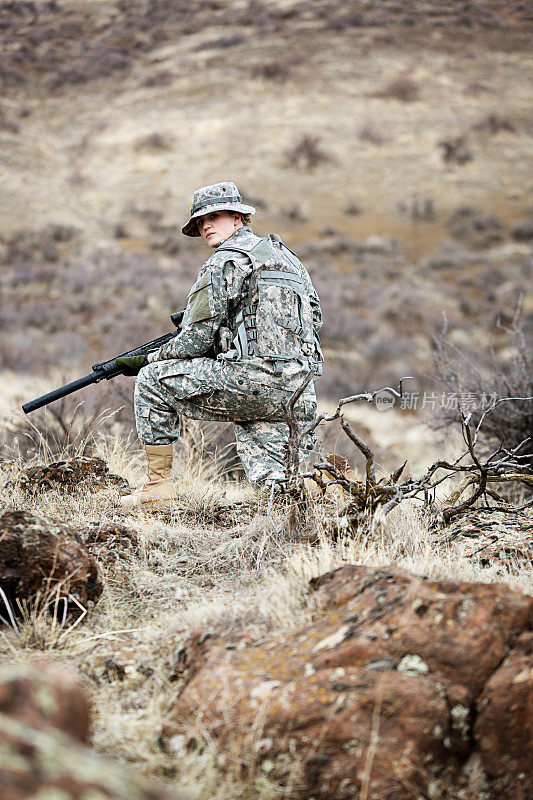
(307, 153)
(340, 23)
(10, 76)
(370, 134)
(162, 78)
(385, 39)
(222, 43)
(456, 150)
(7, 123)
(155, 141)
(66, 428)
(494, 123)
(275, 71)
(419, 209)
(523, 231)
(294, 213)
(352, 208)
(27, 245)
(103, 63)
(475, 88)
(474, 228)
(402, 88)
(482, 380)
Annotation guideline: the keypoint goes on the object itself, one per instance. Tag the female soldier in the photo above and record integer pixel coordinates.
(249, 337)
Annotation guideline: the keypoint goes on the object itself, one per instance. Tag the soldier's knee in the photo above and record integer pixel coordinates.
(147, 375)
(146, 385)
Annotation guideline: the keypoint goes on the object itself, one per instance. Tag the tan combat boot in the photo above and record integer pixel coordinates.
(158, 491)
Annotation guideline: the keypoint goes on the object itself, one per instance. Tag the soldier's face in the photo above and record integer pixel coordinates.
(218, 226)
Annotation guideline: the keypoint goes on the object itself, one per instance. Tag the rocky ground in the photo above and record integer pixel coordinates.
(212, 654)
(194, 646)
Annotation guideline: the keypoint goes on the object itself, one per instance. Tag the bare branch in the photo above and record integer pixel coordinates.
(364, 499)
(493, 406)
(295, 437)
(366, 451)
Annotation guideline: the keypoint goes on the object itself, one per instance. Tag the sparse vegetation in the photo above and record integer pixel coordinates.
(368, 133)
(222, 43)
(278, 71)
(163, 77)
(505, 381)
(475, 228)
(307, 153)
(456, 150)
(350, 20)
(402, 88)
(155, 141)
(494, 123)
(67, 428)
(352, 209)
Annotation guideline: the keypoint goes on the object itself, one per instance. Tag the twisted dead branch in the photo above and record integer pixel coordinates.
(362, 500)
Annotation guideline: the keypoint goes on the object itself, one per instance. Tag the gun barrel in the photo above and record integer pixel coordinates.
(63, 391)
(105, 370)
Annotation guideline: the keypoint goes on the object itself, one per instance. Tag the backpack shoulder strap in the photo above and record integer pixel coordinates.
(260, 251)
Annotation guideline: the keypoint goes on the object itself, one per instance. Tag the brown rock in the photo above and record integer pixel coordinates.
(44, 714)
(374, 697)
(70, 474)
(495, 538)
(462, 631)
(504, 725)
(127, 659)
(43, 695)
(194, 655)
(112, 543)
(48, 763)
(43, 555)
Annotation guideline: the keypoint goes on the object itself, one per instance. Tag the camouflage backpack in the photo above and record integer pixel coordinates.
(280, 316)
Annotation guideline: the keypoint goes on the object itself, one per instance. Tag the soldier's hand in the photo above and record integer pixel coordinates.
(131, 364)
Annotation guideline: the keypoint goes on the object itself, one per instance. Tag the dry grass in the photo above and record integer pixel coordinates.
(214, 560)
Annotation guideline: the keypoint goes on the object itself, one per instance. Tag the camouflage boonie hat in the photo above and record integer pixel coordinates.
(217, 197)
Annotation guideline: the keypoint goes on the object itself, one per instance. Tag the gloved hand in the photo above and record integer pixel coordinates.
(131, 364)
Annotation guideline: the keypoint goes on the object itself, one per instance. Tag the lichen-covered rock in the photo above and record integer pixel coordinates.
(495, 538)
(50, 764)
(46, 556)
(375, 696)
(127, 659)
(462, 631)
(44, 720)
(111, 543)
(71, 474)
(504, 724)
(46, 694)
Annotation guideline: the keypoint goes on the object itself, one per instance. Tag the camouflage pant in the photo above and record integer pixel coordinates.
(203, 388)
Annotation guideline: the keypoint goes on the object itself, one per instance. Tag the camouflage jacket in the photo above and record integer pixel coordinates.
(213, 301)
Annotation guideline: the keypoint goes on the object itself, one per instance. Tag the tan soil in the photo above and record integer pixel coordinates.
(78, 157)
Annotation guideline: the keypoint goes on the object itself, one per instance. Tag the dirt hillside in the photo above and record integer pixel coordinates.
(388, 143)
(114, 110)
